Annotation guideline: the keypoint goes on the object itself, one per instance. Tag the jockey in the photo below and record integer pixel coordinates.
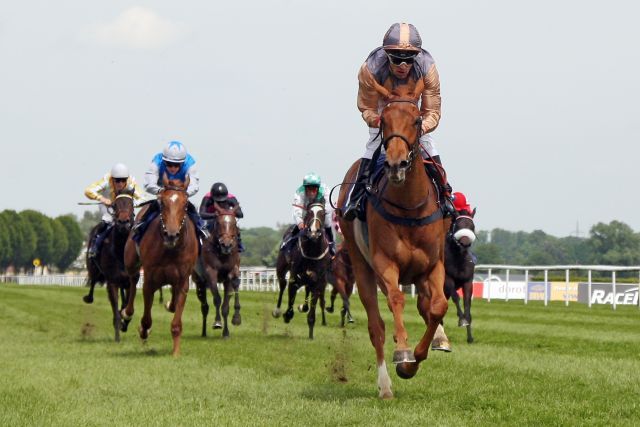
(398, 64)
(220, 199)
(312, 190)
(104, 190)
(461, 205)
(178, 165)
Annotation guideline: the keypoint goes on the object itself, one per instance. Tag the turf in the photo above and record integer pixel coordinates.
(530, 365)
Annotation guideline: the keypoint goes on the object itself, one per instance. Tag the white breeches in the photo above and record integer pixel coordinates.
(106, 216)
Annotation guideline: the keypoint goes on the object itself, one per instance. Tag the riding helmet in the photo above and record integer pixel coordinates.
(311, 180)
(402, 37)
(219, 192)
(174, 152)
(119, 170)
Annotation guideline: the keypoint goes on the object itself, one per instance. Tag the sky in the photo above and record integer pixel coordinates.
(539, 122)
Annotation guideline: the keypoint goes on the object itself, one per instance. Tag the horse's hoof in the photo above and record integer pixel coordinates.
(403, 356)
(124, 325)
(144, 333)
(167, 307)
(217, 325)
(276, 313)
(236, 320)
(463, 322)
(470, 340)
(88, 299)
(386, 395)
(441, 345)
(123, 315)
(288, 315)
(407, 370)
(350, 320)
(303, 308)
(329, 309)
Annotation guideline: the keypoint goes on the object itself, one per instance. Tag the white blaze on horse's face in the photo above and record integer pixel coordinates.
(316, 224)
(173, 198)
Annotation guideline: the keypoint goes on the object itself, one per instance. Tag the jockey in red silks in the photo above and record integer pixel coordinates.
(219, 199)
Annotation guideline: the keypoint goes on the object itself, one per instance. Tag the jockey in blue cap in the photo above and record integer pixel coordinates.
(177, 164)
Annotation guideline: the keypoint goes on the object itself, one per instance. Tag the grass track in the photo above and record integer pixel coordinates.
(530, 365)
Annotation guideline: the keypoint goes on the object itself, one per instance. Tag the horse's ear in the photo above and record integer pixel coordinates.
(186, 182)
(165, 180)
(473, 214)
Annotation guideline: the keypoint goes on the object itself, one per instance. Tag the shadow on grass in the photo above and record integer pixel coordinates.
(144, 352)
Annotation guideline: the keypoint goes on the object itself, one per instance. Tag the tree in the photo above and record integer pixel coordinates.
(6, 252)
(75, 240)
(259, 243)
(22, 238)
(44, 236)
(614, 243)
(488, 253)
(88, 221)
(60, 241)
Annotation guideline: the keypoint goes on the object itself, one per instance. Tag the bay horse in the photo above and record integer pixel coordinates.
(306, 265)
(405, 228)
(108, 266)
(459, 266)
(342, 279)
(168, 252)
(219, 261)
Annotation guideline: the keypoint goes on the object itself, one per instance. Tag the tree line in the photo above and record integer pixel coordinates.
(609, 244)
(29, 235)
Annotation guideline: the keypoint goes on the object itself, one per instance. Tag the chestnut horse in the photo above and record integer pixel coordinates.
(307, 266)
(405, 230)
(220, 262)
(108, 266)
(168, 252)
(341, 277)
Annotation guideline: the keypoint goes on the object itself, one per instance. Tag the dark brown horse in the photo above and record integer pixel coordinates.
(460, 269)
(168, 252)
(108, 266)
(405, 230)
(341, 277)
(220, 262)
(307, 265)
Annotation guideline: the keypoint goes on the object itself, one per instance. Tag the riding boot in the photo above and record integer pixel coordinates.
(441, 180)
(240, 245)
(289, 237)
(141, 224)
(353, 204)
(330, 239)
(101, 233)
(201, 226)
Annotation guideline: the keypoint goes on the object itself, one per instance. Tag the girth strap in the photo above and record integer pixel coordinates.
(410, 222)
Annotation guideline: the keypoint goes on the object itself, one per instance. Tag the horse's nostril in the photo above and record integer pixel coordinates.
(404, 164)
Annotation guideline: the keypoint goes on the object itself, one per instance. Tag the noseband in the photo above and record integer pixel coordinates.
(457, 234)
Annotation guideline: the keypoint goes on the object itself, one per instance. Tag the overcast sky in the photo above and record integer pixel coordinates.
(539, 100)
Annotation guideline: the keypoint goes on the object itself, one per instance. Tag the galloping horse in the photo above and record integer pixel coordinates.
(460, 267)
(405, 229)
(168, 253)
(341, 277)
(307, 266)
(219, 262)
(108, 267)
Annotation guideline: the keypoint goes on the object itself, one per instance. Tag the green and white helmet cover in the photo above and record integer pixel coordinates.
(311, 179)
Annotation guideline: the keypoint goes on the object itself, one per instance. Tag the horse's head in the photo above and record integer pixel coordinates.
(226, 231)
(463, 230)
(173, 209)
(314, 221)
(123, 210)
(401, 124)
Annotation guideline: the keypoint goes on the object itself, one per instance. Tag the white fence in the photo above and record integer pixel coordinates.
(513, 282)
(506, 282)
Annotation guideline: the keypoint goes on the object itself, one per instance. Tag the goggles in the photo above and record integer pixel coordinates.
(172, 164)
(401, 58)
(120, 180)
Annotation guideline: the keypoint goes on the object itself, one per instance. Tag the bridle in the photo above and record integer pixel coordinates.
(456, 234)
(184, 217)
(414, 147)
(319, 219)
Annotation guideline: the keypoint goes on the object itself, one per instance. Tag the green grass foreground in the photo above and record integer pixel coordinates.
(530, 365)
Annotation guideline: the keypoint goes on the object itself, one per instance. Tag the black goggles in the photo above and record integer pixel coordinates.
(172, 164)
(120, 179)
(397, 59)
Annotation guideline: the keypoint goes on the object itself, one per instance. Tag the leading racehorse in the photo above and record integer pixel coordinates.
(108, 266)
(168, 252)
(405, 230)
(220, 262)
